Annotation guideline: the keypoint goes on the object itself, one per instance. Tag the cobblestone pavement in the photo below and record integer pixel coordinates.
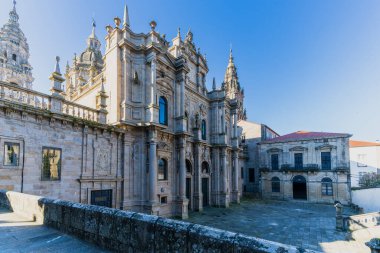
(301, 224)
(17, 234)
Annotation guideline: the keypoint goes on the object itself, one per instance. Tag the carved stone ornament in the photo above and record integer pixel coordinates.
(102, 160)
(202, 109)
(163, 146)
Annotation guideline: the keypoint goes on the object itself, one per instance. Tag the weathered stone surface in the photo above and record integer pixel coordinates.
(202, 238)
(171, 236)
(134, 232)
(142, 232)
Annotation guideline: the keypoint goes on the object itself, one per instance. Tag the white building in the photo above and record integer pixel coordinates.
(364, 159)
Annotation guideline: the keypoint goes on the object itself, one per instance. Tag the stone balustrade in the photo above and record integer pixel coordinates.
(361, 221)
(16, 94)
(125, 231)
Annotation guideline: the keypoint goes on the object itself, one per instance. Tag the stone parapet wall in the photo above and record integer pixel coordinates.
(361, 221)
(125, 231)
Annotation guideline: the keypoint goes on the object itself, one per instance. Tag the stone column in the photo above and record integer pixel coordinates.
(183, 201)
(126, 82)
(182, 169)
(235, 191)
(152, 167)
(224, 199)
(198, 197)
(234, 116)
(374, 245)
(152, 107)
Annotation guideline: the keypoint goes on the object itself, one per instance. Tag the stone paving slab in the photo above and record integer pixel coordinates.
(18, 234)
(300, 224)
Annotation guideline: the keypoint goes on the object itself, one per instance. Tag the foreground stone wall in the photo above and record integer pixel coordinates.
(134, 232)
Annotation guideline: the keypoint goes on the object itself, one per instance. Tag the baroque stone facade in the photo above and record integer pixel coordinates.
(312, 166)
(135, 128)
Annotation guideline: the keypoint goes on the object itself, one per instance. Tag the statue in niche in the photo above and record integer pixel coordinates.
(197, 124)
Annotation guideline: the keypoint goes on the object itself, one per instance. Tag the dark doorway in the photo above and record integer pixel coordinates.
(299, 188)
(101, 198)
(205, 191)
(188, 190)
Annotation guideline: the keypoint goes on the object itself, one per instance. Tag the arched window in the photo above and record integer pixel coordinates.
(187, 121)
(162, 169)
(327, 188)
(275, 184)
(163, 111)
(203, 130)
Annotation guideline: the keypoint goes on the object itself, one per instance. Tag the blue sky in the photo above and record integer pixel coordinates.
(305, 65)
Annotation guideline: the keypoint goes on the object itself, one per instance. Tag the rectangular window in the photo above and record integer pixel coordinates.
(164, 200)
(51, 163)
(274, 161)
(101, 198)
(242, 172)
(11, 154)
(251, 175)
(326, 160)
(298, 160)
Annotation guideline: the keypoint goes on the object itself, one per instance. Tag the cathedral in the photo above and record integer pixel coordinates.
(134, 127)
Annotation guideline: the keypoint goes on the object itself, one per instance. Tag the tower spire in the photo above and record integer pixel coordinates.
(231, 59)
(126, 16)
(13, 16)
(93, 28)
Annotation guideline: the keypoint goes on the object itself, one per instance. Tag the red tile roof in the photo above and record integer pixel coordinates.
(356, 144)
(305, 135)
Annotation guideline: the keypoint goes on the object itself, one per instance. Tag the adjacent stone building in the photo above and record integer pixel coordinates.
(135, 128)
(252, 134)
(312, 166)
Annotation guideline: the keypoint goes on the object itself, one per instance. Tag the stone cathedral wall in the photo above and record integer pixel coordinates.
(90, 154)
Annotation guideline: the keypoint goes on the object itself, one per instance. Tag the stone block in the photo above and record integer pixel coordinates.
(122, 229)
(77, 219)
(171, 235)
(4, 201)
(207, 239)
(91, 223)
(142, 232)
(65, 214)
(46, 206)
(106, 221)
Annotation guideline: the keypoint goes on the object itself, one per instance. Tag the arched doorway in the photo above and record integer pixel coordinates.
(299, 188)
(205, 184)
(189, 170)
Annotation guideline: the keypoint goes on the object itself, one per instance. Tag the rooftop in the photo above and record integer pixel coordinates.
(357, 144)
(305, 135)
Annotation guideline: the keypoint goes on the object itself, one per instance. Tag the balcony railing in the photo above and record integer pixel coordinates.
(22, 96)
(304, 168)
